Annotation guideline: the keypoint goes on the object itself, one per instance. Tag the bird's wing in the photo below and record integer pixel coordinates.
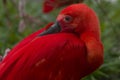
(26, 40)
(44, 55)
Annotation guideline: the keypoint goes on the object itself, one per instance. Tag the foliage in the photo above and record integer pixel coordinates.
(107, 11)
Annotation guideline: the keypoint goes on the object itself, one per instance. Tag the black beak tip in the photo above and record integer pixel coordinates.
(55, 28)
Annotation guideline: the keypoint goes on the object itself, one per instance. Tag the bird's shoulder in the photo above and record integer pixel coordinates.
(58, 40)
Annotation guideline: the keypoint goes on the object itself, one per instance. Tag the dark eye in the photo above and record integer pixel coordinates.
(67, 18)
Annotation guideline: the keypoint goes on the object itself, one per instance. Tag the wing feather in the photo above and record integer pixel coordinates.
(43, 55)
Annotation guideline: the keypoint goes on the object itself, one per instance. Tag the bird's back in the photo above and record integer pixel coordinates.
(51, 57)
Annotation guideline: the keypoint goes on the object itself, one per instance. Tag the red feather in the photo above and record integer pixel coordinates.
(70, 53)
(50, 5)
(26, 40)
(43, 58)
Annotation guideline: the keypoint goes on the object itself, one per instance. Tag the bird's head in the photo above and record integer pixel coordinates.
(76, 18)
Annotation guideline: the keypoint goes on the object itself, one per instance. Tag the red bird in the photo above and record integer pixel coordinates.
(68, 49)
(50, 5)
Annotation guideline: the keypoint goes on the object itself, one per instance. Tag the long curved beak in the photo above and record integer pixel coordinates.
(55, 28)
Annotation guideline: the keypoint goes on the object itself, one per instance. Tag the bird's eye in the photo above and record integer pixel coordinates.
(68, 18)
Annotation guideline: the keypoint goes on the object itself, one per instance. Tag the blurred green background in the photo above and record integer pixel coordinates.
(14, 27)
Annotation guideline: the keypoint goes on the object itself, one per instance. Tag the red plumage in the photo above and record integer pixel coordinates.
(68, 49)
(50, 5)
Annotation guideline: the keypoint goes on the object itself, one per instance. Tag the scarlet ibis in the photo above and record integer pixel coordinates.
(68, 49)
(50, 5)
